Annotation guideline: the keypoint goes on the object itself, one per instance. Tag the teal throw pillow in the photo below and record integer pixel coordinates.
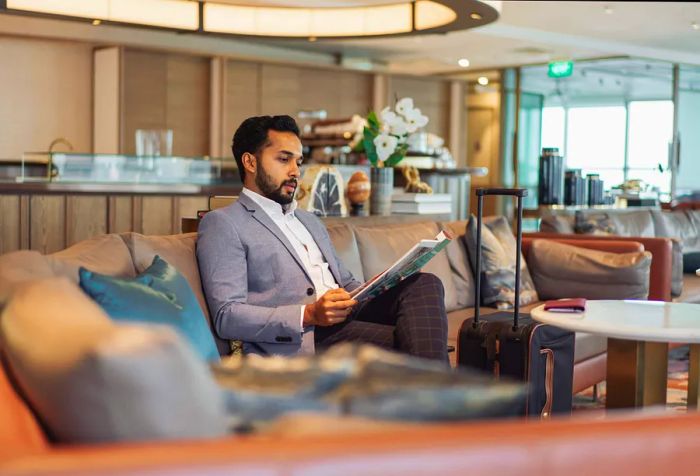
(159, 295)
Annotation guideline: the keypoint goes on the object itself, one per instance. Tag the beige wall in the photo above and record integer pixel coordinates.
(45, 93)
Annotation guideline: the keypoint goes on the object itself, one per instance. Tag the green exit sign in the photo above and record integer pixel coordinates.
(560, 69)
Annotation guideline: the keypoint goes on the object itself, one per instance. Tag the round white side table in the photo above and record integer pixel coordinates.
(638, 335)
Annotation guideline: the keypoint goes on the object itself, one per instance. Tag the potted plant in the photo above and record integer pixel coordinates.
(385, 141)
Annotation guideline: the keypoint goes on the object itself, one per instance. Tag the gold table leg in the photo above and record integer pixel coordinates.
(693, 376)
(637, 373)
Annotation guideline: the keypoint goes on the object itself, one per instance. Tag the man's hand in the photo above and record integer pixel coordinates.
(331, 308)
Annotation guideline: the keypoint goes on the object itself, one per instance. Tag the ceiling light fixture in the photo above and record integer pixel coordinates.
(608, 9)
(463, 62)
(96, 22)
(177, 14)
(483, 80)
(265, 18)
(695, 26)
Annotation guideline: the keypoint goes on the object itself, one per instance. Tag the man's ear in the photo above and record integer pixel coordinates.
(250, 163)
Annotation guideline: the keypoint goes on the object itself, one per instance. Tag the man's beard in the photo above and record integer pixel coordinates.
(275, 193)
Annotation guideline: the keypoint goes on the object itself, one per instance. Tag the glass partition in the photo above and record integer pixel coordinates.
(688, 177)
(127, 169)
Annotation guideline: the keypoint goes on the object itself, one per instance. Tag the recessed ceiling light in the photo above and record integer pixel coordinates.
(695, 26)
(475, 16)
(463, 62)
(483, 80)
(608, 9)
(96, 22)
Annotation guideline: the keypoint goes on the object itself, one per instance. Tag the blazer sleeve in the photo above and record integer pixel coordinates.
(223, 269)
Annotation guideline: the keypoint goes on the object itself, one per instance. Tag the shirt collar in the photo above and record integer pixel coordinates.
(272, 208)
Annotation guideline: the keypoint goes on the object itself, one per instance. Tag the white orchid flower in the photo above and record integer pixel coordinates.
(392, 123)
(387, 115)
(404, 106)
(385, 145)
(415, 120)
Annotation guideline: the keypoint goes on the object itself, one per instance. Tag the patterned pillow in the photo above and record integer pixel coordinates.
(498, 255)
(593, 224)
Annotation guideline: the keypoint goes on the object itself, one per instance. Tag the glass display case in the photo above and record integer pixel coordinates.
(62, 167)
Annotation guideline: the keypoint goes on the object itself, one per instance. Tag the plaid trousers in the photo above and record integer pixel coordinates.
(410, 318)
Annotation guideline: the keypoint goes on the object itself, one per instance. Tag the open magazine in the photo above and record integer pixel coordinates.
(408, 264)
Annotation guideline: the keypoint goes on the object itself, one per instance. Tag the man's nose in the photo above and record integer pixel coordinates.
(295, 170)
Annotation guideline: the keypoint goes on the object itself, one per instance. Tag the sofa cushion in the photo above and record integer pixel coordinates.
(91, 380)
(693, 242)
(19, 267)
(633, 223)
(498, 259)
(557, 224)
(178, 250)
(459, 263)
(159, 295)
(104, 254)
(345, 245)
(381, 245)
(565, 271)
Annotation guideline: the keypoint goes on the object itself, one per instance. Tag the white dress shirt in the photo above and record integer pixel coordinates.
(303, 243)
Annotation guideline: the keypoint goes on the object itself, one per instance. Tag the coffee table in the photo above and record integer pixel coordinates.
(638, 335)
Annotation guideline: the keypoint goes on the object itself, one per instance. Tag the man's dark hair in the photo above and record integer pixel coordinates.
(251, 135)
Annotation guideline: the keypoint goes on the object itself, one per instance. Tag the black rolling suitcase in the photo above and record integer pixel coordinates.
(513, 345)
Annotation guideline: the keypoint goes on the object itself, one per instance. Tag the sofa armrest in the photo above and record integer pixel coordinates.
(661, 250)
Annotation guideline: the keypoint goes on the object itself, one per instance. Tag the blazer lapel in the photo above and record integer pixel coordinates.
(311, 224)
(264, 219)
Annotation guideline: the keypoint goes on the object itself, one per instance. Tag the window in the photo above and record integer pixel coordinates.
(650, 131)
(553, 128)
(595, 142)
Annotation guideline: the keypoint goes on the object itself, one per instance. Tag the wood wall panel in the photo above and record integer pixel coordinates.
(242, 99)
(432, 96)
(9, 223)
(355, 94)
(280, 90)
(321, 89)
(86, 216)
(157, 216)
(120, 216)
(188, 207)
(187, 104)
(47, 227)
(46, 93)
(144, 100)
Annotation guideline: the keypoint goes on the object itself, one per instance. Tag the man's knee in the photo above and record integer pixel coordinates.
(429, 279)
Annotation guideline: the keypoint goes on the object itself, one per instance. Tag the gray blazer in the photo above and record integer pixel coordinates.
(254, 281)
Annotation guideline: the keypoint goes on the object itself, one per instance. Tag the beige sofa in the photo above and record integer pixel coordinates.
(365, 247)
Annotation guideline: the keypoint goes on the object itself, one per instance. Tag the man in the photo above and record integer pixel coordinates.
(272, 278)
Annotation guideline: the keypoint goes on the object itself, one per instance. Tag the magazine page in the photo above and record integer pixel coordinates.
(411, 262)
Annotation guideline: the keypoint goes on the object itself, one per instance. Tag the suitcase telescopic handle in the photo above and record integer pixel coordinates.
(519, 193)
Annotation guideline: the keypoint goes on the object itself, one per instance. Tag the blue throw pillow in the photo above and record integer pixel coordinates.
(159, 295)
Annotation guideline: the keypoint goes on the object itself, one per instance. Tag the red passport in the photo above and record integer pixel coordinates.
(566, 305)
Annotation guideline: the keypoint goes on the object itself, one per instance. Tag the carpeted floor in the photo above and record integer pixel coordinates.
(676, 398)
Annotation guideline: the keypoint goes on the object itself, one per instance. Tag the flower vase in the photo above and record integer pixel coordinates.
(382, 183)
